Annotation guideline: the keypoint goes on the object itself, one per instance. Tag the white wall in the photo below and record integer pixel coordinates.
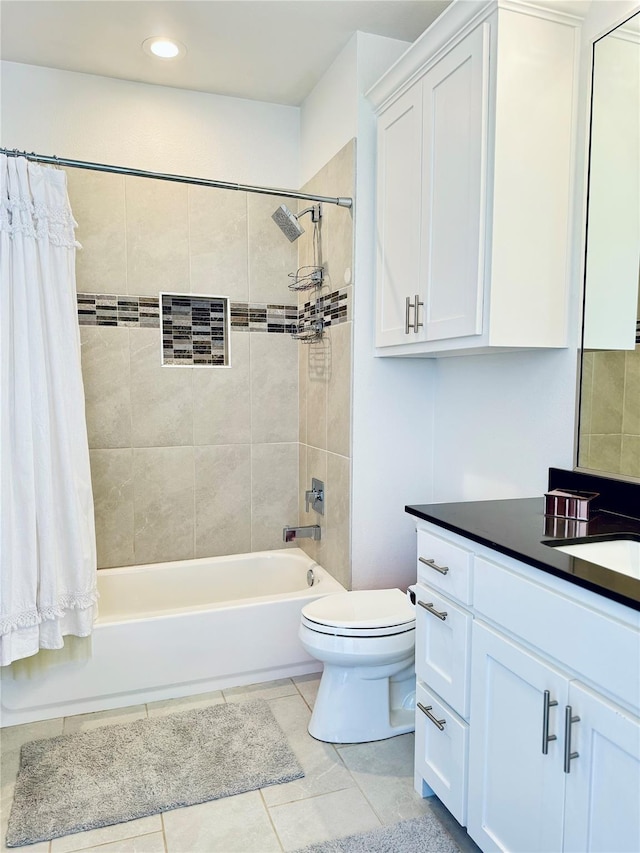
(86, 117)
(392, 411)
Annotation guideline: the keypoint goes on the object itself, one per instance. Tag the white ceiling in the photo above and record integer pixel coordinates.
(266, 50)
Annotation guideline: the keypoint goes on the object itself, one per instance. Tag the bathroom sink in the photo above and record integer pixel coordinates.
(620, 555)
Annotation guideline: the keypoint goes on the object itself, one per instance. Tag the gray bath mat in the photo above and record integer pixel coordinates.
(113, 774)
(419, 835)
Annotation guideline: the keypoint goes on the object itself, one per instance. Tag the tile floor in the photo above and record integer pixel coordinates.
(346, 789)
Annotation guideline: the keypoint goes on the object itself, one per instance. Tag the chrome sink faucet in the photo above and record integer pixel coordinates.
(311, 531)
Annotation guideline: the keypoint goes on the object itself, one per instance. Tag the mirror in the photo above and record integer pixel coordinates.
(609, 408)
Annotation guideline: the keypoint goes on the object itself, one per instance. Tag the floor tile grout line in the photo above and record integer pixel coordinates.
(104, 843)
(313, 796)
(164, 833)
(266, 808)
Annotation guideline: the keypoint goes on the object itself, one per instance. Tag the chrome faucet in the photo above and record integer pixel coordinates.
(311, 531)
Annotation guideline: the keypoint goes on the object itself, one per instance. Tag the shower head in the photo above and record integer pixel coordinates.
(288, 222)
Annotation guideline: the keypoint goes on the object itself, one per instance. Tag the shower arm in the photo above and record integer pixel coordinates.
(340, 201)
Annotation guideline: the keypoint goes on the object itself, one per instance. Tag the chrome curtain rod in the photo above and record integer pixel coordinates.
(182, 179)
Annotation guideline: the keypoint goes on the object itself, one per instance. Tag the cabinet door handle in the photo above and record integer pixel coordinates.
(442, 569)
(436, 722)
(416, 316)
(441, 614)
(568, 755)
(546, 737)
(408, 305)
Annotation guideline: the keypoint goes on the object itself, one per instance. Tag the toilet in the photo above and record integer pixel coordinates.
(366, 641)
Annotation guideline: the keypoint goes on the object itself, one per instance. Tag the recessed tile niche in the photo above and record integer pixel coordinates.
(195, 330)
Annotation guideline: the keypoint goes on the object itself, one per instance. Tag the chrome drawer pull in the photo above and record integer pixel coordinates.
(429, 606)
(427, 710)
(568, 755)
(432, 563)
(546, 737)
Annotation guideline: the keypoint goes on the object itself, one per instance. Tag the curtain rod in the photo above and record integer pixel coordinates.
(183, 179)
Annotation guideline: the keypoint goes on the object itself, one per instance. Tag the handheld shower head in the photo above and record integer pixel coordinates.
(289, 223)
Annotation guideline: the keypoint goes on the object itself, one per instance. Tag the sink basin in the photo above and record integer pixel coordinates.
(620, 555)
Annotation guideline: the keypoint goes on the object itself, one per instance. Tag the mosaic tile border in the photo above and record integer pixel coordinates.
(107, 309)
(97, 309)
(332, 309)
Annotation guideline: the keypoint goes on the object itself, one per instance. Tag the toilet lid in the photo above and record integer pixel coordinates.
(371, 608)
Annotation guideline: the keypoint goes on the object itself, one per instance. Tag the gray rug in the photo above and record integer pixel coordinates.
(419, 835)
(117, 773)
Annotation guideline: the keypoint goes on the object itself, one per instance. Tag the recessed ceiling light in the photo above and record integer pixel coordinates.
(163, 48)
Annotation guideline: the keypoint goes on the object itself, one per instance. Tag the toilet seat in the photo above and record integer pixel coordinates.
(363, 613)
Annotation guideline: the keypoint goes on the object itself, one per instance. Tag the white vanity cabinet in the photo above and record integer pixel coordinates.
(542, 744)
(475, 149)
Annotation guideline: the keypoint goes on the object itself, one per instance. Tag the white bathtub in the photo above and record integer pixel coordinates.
(173, 629)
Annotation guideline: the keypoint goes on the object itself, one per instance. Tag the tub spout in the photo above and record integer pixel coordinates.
(311, 531)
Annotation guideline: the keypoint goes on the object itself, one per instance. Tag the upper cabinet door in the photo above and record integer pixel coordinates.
(398, 217)
(455, 97)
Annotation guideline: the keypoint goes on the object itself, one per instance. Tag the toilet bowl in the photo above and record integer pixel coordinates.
(366, 641)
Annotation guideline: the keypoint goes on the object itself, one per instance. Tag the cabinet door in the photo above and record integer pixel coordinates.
(602, 805)
(398, 216)
(455, 93)
(516, 792)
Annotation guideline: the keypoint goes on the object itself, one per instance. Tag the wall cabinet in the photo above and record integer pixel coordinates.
(475, 150)
(527, 725)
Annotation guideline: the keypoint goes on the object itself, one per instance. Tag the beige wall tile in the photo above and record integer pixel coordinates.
(157, 237)
(339, 390)
(302, 393)
(605, 453)
(98, 204)
(223, 500)
(161, 397)
(631, 417)
(318, 357)
(107, 385)
(338, 514)
(271, 256)
(163, 504)
(218, 242)
(608, 382)
(274, 493)
(112, 482)
(222, 398)
(274, 388)
(586, 393)
(316, 466)
(630, 456)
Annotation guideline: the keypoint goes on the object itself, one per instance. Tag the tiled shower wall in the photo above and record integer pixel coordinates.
(186, 462)
(325, 370)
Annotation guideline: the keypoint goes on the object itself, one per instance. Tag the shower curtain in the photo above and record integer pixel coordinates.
(47, 539)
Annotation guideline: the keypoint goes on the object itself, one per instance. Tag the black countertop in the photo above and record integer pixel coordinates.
(519, 529)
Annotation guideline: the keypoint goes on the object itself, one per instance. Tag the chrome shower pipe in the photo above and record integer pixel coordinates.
(182, 179)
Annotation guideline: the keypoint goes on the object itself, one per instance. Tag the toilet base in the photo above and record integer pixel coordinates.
(360, 704)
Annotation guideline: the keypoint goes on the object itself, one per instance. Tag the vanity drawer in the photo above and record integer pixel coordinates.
(443, 650)
(441, 752)
(445, 566)
(592, 644)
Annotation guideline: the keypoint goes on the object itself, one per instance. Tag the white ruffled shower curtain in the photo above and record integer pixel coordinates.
(47, 538)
